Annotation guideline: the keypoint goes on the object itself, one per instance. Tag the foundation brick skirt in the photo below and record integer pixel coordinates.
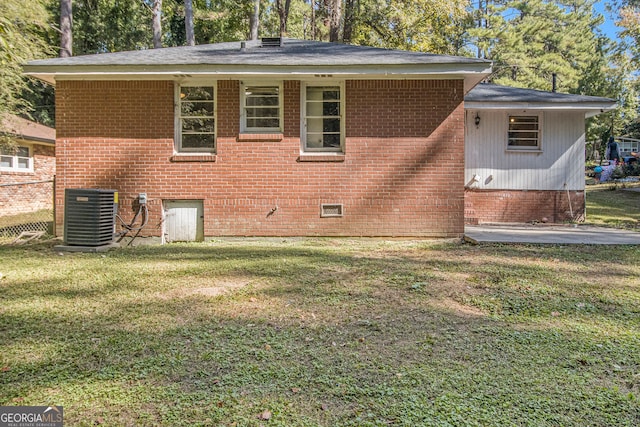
(504, 206)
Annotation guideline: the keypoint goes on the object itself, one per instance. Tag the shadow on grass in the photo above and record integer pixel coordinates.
(318, 335)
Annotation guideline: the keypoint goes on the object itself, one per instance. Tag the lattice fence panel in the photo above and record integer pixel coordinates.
(35, 224)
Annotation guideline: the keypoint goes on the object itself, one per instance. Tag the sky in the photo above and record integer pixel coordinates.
(608, 27)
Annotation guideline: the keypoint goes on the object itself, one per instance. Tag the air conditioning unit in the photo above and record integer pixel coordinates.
(89, 216)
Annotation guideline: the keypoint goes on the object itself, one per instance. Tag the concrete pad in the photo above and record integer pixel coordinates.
(93, 249)
(551, 234)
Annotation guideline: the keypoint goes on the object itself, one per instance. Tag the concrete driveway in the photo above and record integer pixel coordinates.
(554, 234)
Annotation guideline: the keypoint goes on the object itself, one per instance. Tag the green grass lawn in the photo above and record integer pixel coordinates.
(324, 332)
(613, 205)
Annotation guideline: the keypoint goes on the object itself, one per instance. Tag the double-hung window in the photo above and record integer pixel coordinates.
(323, 127)
(524, 133)
(261, 108)
(16, 159)
(197, 119)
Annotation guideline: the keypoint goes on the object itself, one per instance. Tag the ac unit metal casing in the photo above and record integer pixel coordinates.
(89, 216)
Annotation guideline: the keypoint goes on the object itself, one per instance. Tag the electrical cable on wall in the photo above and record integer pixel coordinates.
(142, 212)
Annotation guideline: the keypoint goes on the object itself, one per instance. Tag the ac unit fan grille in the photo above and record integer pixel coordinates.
(89, 217)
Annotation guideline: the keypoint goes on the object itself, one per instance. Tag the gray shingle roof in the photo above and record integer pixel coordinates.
(293, 53)
(485, 92)
(295, 59)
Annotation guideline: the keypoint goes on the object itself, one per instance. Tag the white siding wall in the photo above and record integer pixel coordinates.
(560, 161)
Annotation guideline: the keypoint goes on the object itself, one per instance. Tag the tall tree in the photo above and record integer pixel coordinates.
(188, 22)
(111, 25)
(157, 24)
(628, 53)
(217, 21)
(629, 21)
(611, 75)
(539, 38)
(66, 34)
(283, 7)
(21, 40)
(421, 25)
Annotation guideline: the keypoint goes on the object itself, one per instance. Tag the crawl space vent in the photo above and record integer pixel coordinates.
(330, 210)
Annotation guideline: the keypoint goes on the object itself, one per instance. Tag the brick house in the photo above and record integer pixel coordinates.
(525, 153)
(272, 138)
(27, 166)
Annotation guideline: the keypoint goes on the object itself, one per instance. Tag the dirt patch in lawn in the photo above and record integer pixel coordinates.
(222, 287)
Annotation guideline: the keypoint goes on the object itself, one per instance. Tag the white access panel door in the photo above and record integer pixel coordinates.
(183, 221)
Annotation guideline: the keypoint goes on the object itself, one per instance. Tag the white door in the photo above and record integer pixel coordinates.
(183, 221)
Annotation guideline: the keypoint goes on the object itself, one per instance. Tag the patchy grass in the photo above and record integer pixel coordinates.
(43, 215)
(614, 205)
(324, 332)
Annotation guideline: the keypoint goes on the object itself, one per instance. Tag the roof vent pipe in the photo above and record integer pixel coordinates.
(243, 46)
(554, 85)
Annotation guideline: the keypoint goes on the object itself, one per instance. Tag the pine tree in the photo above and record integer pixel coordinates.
(539, 38)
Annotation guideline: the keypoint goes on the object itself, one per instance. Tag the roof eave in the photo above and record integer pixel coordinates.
(30, 139)
(590, 108)
(472, 73)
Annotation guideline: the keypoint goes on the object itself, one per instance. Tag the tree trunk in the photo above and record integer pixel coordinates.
(349, 20)
(188, 22)
(283, 12)
(66, 34)
(313, 19)
(334, 20)
(254, 20)
(157, 24)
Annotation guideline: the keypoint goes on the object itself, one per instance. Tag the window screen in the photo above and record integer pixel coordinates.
(323, 118)
(262, 108)
(524, 132)
(197, 118)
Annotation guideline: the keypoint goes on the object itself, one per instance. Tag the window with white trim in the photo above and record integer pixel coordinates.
(17, 159)
(323, 127)
(197, 127)
(261, 108)
(524, 132)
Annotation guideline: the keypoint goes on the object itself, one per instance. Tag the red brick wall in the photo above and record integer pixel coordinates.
(29, 191)
(401, 174)
(502, 206)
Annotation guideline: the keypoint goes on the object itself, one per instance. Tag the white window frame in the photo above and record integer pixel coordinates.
(178, 118)
(628, 146)
(524, 148)
(304, 117)
(15, 159)
(244, 128)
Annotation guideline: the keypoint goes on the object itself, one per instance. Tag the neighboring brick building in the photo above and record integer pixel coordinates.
(27, 166)
(307, 138)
